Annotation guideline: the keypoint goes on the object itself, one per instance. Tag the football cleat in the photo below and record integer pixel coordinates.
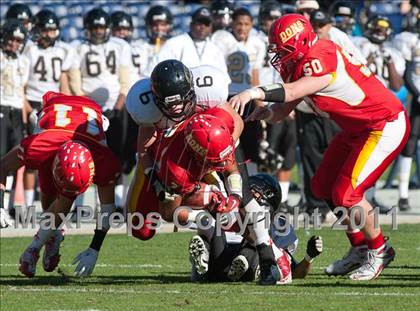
(51, 256)
(354, 259)
(377, 260)
(28, 260)
(5, 219)
(269, 270)
(199, 254)
(404, 205)
(238, 268)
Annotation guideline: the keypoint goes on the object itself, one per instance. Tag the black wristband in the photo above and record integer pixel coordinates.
(98, 239)
(1, 198)
(274, 93)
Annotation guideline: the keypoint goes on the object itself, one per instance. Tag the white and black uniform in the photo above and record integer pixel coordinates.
(99, 66)
(144, 55)
(14, 77)
(211, 89)
(409, 45)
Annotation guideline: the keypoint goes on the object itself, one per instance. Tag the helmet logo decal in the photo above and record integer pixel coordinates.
(195, 146)
(290, 31)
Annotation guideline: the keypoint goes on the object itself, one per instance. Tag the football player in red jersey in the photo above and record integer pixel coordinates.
(374, 130)
(69, 151)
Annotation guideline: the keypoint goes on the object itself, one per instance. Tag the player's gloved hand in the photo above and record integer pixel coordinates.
(313, 248)
(86, 262)
(33, 118)
(214, 198)
(160, 189)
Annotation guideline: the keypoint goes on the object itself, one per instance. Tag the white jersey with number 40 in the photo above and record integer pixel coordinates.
(210, 85)
(46, 67)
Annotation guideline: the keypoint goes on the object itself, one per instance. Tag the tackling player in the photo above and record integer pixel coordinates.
(375, 129)
(70, 153)
(178, 95)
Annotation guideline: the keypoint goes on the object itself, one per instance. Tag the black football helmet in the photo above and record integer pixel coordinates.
(12, 29)
(342, 13)
(121, 20)
(97, 18)
(266, 190)
(45, 20)
(269, 10)
(21, 12)
(222, 11)
(158, 13)
(378, 29)
(173, 89)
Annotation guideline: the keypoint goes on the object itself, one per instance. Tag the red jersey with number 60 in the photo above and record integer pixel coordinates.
(355, 98)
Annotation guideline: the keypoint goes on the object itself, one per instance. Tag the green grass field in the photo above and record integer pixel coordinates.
(154, 275)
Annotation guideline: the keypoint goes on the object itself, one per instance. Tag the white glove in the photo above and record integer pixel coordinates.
(86, 262)
(4, 218)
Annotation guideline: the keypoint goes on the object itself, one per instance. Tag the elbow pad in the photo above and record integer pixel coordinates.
(274, 92)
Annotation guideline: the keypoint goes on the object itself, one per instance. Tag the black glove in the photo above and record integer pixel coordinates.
(314, 247)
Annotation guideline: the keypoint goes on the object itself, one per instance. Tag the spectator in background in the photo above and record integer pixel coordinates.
(343, 16)
(14, 72)
(49, 61)
(222, 11)
(195, 48)
(306, 7)
(102, 72)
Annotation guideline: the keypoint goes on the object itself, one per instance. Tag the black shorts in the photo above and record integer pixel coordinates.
(35, 105)
(282, 138)
(11, 128)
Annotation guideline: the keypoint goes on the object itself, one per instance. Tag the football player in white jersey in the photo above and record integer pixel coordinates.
(101, 71)
(408, 42)
(222, 11)
(171, 95)
(50, 59)
(14, 71)
(244, 54)
(195, 48)
(281, 137)
(159, 23)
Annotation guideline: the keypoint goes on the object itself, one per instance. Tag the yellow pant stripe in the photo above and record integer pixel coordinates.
(136, 187)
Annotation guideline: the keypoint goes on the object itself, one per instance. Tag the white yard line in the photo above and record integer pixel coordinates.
(183, 292)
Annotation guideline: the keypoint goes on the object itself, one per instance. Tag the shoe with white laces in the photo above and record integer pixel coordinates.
(28, 260)
(51, 256)
(238, 268)
(199, 254)
(354, 259)
(377, 260)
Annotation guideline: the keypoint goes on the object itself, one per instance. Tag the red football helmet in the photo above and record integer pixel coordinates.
(290, 38)
(210, 141)
(73, 168)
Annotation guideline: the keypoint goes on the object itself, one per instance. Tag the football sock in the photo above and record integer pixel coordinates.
(29, 197)
(284, 186)
(356, 238)
(377, 242)
(405, 168)
(41, 237)
(119, 194)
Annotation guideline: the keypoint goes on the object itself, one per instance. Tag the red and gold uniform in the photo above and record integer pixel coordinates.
(64, 118)
(176, 168)
(374, 123)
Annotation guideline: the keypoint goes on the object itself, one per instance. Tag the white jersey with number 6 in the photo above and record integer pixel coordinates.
(211, 89)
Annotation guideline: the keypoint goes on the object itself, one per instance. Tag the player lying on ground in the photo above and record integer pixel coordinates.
(232, 258)
(375, 129)
(70, 153)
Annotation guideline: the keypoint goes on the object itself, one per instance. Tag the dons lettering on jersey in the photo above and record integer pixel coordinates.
(290, 31)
